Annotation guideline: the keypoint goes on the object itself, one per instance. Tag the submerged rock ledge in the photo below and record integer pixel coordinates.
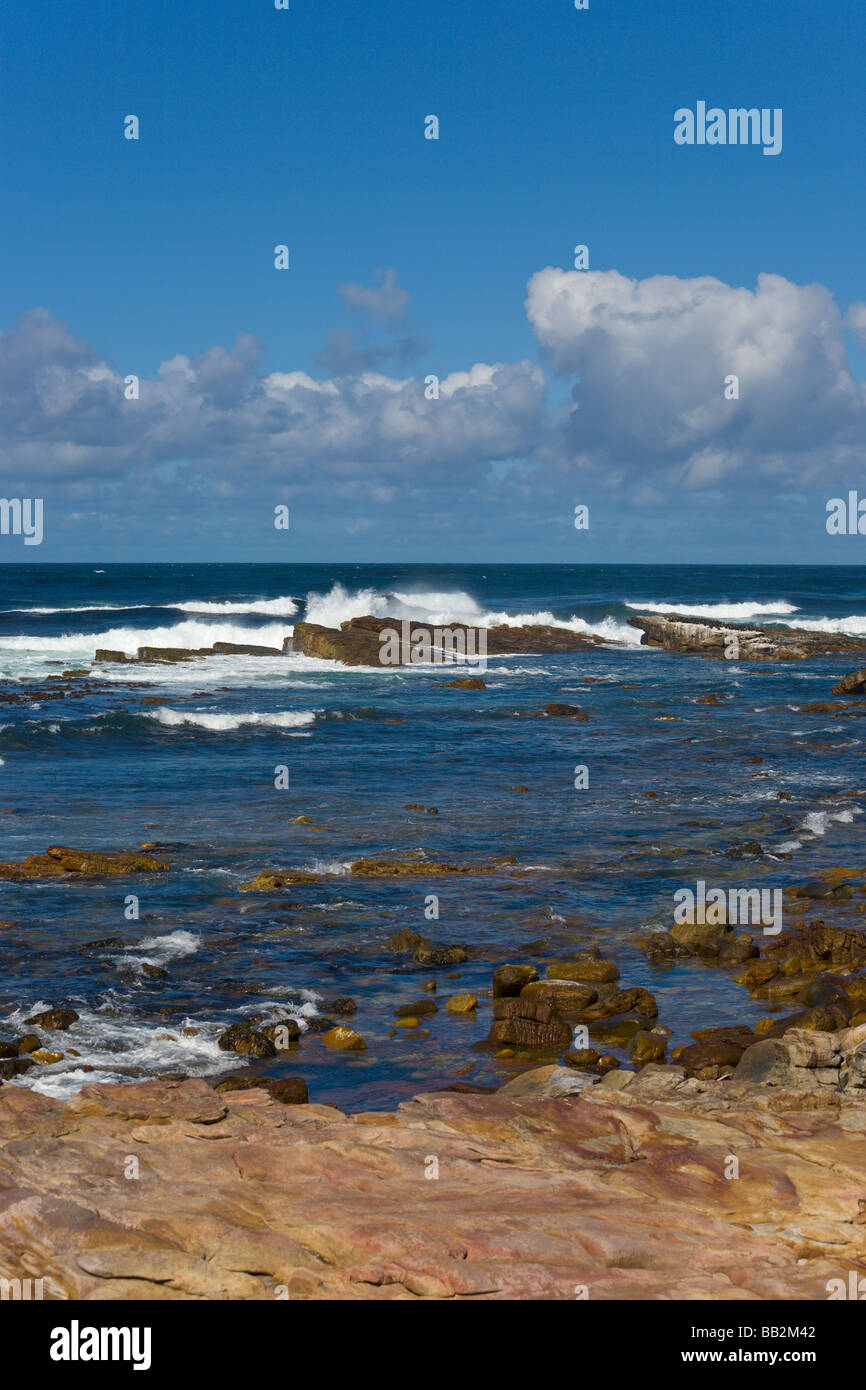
(625, 1193)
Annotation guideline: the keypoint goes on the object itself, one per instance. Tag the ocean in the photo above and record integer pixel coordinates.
(674, 785)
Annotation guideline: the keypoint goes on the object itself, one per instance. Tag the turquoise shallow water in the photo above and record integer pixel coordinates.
(673, 785)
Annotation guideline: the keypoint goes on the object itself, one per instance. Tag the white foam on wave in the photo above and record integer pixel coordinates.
(283, 607)
(29, 654)
(118, 1048)
(749, 608)
(88, 608)
(817, 823)
(336, 867)
(225, 723)
(274, 607)
(438, 609)
(852, 626)
(156, 950)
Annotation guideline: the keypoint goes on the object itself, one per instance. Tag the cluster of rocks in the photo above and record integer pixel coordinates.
(19, 1054)
(61, 862)
(713, 638)
(168, 655)
(271, 879)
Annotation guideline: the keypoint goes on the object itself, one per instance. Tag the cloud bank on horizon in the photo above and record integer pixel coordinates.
(648, 416)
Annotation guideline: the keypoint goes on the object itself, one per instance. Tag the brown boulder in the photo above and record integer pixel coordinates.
(586, 968)
(530, 1023)
(624, 1001)
(647, 1047)
(508, 980)
(852, 684)
(61, 1018)
(243, 1037)
(565, 711)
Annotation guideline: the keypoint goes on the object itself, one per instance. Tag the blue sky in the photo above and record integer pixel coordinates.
(306, 127)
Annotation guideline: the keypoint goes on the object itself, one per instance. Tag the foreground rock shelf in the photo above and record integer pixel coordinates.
(622, 1193)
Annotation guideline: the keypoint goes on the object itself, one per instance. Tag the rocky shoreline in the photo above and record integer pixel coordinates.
(708, 637)
(669, 1189)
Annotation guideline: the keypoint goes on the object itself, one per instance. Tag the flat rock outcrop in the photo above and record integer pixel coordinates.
(358, 641)
(60, 862)
(711, 638)
(623, 1194)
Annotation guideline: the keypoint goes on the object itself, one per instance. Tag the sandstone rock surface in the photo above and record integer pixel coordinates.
(242, 1197)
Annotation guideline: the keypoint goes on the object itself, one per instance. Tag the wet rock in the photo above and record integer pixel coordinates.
(585, 967)
(271, 879)
(289, 1090)
(283, 1034)
(508, 980)
(617, 1032)
(319, 1024)
(647, 1047)
(723, 1053)
(244, 1038)
(14, 1066)
(28, 1043)
(405, 940)
(418, 1009)
(746, 849)
(821, 890)
(45, 1058)
(233, 1082)
(624, 1001)
(701, 938)
(243, 649)
(431, 954)
(60, 1018)
(736, 951)
(826, 989)
(344, 1039)
(153, 972)
(60, 862)
(409, 868)
(462, 1004)
(529, 1023)
(823, 945)
(569, 996)
(825, 1018)
(107, 654)
(757, 974)
(738, 1033)
(581, 1057)
(170, 654)
(852, 684)
(661, 949)
(566, 711)
(342, 1006)
(470, 683)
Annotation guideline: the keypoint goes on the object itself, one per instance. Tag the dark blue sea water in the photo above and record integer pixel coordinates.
(673, 785)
